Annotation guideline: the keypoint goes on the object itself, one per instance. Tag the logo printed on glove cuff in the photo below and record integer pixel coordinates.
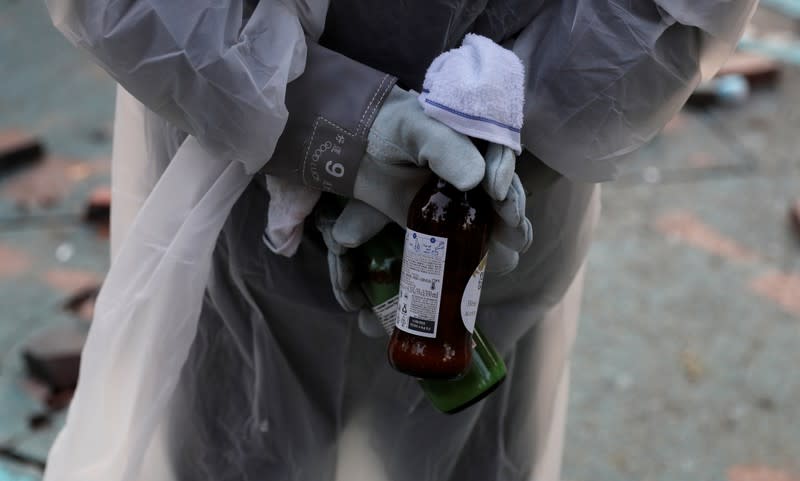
(331, 158)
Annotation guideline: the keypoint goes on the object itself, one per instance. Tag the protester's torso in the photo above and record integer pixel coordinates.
(403, 37)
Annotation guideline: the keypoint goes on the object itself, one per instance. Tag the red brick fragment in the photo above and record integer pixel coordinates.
(70, 280)
(17, 149)
(759, 473)
(43, 186)
(58, 400)
(688, 228)
(98, 208)
(782, 289)
(82, 302)
(52, 357)
(794, 215)
(759, 71)
(59, 372)
(13, 262)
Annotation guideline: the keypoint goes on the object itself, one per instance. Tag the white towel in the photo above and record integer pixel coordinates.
(477, 89)
(289, 205)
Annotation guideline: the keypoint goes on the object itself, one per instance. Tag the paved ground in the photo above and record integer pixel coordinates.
(686, 361)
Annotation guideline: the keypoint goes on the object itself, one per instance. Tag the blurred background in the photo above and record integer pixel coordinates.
(686, 363)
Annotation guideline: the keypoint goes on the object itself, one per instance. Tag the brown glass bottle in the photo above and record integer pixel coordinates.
(444, 258)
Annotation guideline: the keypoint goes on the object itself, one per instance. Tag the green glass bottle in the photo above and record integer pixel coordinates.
(380, 260)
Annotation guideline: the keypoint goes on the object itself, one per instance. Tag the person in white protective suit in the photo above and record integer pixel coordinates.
(220, 353)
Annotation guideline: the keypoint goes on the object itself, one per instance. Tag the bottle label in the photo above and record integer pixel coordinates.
(421, 283)
(387, 312)
(472, 295)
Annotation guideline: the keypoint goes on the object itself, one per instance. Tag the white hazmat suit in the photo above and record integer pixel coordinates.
(211, 358)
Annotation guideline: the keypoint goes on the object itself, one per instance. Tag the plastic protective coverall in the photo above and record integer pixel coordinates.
(212, 359)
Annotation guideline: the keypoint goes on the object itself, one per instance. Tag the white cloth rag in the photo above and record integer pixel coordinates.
(477, 89)
(289, 205)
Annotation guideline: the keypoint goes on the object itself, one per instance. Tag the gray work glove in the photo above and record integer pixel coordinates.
(356, 224)
(340, 264)
(403, 146)
(402, 140)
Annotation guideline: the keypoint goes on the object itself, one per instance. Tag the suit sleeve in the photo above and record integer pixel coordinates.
(221, 76)
(604, 77)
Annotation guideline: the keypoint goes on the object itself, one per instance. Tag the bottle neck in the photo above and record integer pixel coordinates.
(449, 190)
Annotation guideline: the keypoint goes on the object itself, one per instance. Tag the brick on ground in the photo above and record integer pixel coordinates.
(18, 148)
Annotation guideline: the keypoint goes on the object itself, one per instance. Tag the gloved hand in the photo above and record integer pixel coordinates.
(403, 139)
(356, 224)
(403, 146)
(511, 233)
(340, 263)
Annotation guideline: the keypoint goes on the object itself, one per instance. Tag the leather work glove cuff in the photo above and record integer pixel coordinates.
(332, 106)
